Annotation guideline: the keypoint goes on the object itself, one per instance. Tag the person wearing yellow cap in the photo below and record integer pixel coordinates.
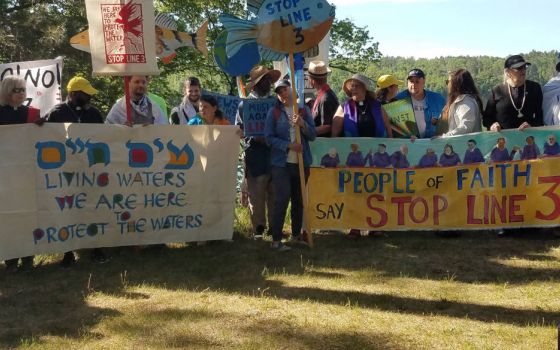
(387, 88)
(77, 108)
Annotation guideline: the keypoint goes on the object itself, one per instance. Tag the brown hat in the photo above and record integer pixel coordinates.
(258, 72)
(318, 69)
(356, 77)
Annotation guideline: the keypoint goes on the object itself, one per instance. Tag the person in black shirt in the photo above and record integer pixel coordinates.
(12, 111)
(326, 103)
(517, 103)
(77, 109)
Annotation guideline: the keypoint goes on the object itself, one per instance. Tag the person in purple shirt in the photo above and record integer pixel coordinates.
(551, 147)
(398, 159)
(429, 159)
(530, 150)
(379, 159)
(500, 153)
(330, 160)
(449, 157)
(473, 154)
(355, 157)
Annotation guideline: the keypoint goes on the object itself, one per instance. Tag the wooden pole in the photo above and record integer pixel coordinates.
(127, 100)
(300, 154)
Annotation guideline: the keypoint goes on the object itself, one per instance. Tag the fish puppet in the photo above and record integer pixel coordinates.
(168, 38)
(282, 26)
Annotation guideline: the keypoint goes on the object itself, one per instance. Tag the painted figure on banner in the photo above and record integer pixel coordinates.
(551, 98)
(326, 103)
(530, 150)
(331, 159)
(188, 109)
(427, 105)
(463, 111)
(473, 153)
(210, 114)
(280, 133)
(144, 111)
(500, 153)
(428, 160)
(282, 26)
(355, 158)
(398, 158)
(517, 103)
(168, 39)
(449, 157)
(257, 155)
(379, 159)
(78, 109)
(12, 111)
(551, 147)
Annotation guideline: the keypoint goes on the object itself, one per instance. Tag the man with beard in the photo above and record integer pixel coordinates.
(77, 109)
(144, 111)
(188, 108)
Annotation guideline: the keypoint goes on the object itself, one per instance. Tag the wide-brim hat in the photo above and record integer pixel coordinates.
(259, 72)
(387, 80)
(318, 69)
(359, 78)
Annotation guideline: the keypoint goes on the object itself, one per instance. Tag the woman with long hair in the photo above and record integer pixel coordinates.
(463, 110)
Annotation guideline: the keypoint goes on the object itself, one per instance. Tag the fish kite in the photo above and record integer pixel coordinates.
(281, 26)
(168, 38)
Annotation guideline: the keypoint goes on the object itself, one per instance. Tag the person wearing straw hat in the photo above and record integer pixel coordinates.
(427, 105)
(326, 102)
(361, 115)
(551, 98)
(387, 88)
(257, 156)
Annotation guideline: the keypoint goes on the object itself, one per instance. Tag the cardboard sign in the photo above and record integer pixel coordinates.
(254, 115)
(122, 38)
(402, 118)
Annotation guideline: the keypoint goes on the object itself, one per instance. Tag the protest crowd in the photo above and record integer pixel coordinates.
(271, 178)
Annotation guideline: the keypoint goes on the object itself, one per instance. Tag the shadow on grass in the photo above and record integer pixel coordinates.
(51, 301)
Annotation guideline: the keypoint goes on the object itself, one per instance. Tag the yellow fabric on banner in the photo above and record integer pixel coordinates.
(481, 196)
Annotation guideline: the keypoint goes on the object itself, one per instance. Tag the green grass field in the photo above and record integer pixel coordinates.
(407, 290)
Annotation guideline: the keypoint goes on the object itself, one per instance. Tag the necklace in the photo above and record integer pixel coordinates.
(519, 114)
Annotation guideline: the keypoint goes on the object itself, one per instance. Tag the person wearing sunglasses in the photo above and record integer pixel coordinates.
(13, 111)
(517, 103)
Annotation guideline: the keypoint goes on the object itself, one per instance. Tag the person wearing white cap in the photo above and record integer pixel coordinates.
(551, 98)
(326, 102)
(361, 115)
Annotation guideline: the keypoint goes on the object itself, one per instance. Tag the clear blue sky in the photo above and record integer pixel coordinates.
(431, 28)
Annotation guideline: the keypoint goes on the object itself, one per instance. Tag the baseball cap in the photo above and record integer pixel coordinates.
(81, 84)
(281, 83)
(387, 80)
(416, 72)
(515, 61)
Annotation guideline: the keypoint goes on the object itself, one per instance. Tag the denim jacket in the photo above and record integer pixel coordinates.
(277, 134)
(434, 106)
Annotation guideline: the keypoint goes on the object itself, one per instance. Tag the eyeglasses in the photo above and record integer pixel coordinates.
(18, 90)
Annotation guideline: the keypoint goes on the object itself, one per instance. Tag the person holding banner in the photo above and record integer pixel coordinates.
(280, 134)
(12, 111)
(210, 114)
(188, 108)
(517, 103)
(144, 111)
(427, 105)
(257, 156)
(551, 98)
(361, 115)
(463, 111)
(77, 109)
(387, 88)
(326, 102)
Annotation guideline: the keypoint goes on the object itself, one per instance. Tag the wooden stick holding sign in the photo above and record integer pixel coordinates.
(287, 26)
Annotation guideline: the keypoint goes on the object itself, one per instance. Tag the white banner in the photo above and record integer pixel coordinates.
(122, 37)
(43, 81)
(71, 186)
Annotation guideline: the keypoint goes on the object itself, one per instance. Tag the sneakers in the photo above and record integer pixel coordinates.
(354, 234)
(68, 260)
(280, 247)
(259, 232)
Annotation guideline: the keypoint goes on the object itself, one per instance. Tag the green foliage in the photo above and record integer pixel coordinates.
(352, 47)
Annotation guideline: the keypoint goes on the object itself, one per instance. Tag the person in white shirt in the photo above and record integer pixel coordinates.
(551, 98)
(144, 111)
(188, 109)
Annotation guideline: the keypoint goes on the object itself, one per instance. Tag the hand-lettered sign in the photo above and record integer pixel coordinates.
(254, 115)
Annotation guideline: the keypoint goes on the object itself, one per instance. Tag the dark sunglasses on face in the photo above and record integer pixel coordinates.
(18, 90)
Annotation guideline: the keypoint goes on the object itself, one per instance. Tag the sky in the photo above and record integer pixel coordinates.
(432, 28)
